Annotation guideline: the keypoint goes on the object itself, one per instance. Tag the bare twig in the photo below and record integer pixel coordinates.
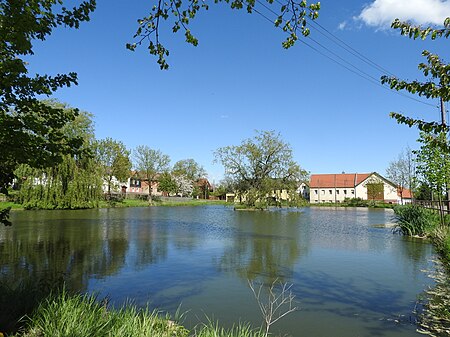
(279, 302)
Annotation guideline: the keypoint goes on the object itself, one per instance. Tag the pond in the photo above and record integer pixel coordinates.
(349, 276)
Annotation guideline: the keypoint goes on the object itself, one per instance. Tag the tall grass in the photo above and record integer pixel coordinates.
(18, 299)
(213, 329)
(414, 220)
(82, 315)
(67, 315)
(441, 240)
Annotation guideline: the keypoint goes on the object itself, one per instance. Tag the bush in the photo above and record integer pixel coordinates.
(356, 202)
(414, 220)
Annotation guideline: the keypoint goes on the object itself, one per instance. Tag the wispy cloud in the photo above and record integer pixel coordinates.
(342, 25)
(381, 13)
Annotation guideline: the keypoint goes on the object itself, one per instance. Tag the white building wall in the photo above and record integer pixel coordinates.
(361, 192)
(390, 193)
(330, 194)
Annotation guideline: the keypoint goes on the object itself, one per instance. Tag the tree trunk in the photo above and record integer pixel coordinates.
(150, 191)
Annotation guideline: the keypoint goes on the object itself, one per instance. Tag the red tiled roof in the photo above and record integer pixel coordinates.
(348, 180)
(407, 194)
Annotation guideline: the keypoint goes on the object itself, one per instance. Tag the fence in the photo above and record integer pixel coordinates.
(436, 205)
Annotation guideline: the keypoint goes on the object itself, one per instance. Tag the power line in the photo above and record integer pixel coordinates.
(346, 46)
(342, 59)
(356, 70)
(349, 48)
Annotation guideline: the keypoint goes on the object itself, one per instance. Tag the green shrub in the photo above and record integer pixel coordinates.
(356, 202)
(414, 220)
(446, 248)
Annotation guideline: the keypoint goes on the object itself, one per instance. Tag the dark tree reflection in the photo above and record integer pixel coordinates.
(266, 245)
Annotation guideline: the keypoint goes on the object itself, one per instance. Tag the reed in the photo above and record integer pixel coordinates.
(414, 220)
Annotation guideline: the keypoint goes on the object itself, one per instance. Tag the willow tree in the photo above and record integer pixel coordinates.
(259, 167)
(74, 182)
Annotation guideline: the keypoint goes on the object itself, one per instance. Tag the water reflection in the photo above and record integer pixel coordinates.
(360, 279)
(46, 245)
(266, 245)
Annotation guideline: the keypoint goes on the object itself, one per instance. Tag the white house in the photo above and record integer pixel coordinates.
(335, 188)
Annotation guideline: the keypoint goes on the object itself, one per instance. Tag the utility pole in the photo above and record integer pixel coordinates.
(444, 124)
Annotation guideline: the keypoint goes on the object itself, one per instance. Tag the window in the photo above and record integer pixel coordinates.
(315, 191)
(330, 201)
(337, 191)
(345, 191)
(331, 191)
(323, 191)
(316, 200)
(353, 191)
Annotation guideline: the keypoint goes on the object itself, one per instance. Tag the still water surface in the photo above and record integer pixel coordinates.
(350, 277)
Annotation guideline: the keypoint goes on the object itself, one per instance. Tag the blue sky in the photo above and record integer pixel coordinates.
(239, 79)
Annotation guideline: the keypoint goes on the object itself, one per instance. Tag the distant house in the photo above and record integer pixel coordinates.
(303, 190)
(154, 186)
(205, 188)
(134, 185)
(335, 188)
(405, 196)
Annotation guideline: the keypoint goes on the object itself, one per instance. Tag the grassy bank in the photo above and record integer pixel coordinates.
(158, 202)
(134, 203)
(413, 220)
(82, 315)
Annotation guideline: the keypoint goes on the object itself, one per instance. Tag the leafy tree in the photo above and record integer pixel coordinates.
(220, 191)
(423, 192)
(437, 84)
(114, 160)
(401, 171)
(189, 178)
(167, 183)
(188, 168)
(259, 166)
(292, 17)
(150, 163)
(30, 130)
(433, 165)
